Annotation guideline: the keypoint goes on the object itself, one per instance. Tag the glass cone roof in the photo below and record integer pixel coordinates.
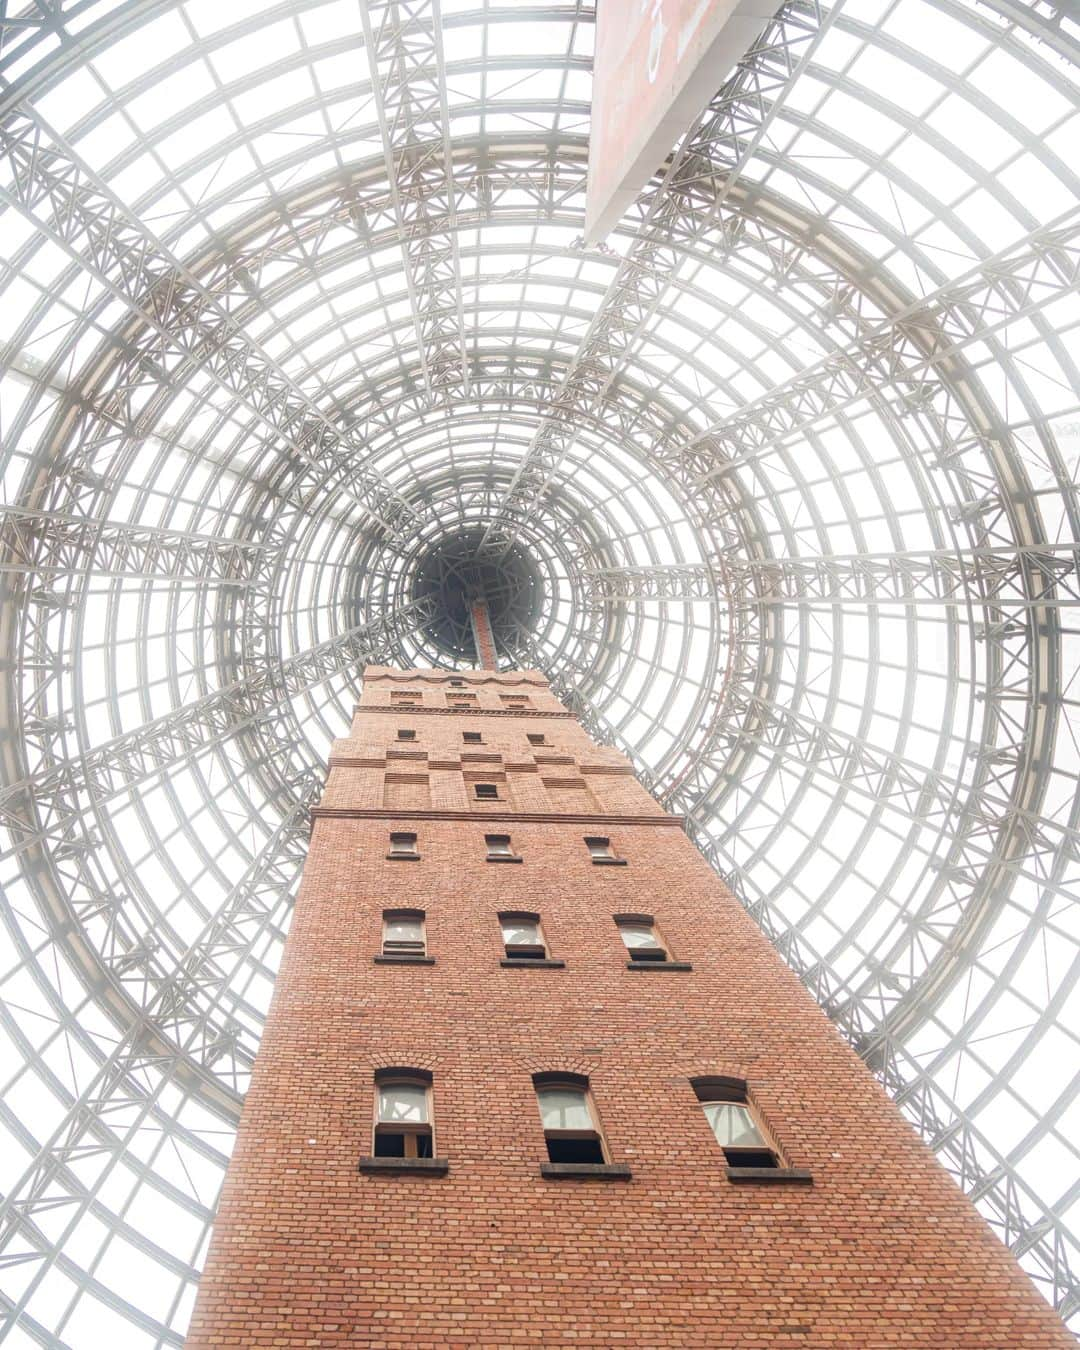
(792, 458)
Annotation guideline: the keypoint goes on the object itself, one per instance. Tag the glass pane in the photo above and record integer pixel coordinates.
(638, 935)
(732, 1124)
(403, 1101)
(404, 930)
(498, 843)
(564, 1109)
(520, 933)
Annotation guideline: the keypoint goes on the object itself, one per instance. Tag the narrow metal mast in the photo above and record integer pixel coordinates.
(480, 618)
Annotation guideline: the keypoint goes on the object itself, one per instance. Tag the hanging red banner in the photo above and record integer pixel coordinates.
(657, 64)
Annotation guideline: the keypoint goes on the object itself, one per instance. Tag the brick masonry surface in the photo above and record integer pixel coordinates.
(882, 1250)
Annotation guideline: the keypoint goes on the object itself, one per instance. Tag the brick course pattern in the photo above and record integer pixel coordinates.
(881, 1250)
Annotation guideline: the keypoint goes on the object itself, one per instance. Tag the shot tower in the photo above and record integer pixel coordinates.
(532, 1076)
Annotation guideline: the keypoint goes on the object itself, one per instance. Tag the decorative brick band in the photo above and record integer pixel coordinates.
(504, 677)
(465, 712)
(479, 817)
(475, 761)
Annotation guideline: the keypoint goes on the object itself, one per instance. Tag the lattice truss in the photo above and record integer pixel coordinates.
(289, 291)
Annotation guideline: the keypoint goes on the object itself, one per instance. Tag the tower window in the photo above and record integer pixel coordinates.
(403, 846)
(567, 1117)
(536, 738)
(499, 848)
(522, 937)
(601, 852)
(732, 1121)
(472, 737)
(406, 734)
(639, 936)
(486, 792)
(457, 684)
(403, 1114)
(403, 932)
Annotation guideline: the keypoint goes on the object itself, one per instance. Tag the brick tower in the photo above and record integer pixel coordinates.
(532, 1076)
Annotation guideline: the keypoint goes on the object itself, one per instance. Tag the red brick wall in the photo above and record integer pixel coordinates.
(882, 1250)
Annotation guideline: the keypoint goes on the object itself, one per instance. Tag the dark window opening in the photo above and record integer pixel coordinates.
(536, 738)
(457, 684)
(749, 1157)
(486, 792)
(390, 1144)
(472, 737)
(404, 734)
(570, 1149)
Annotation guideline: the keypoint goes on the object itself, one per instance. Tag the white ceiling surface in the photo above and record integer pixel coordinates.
(920, 143)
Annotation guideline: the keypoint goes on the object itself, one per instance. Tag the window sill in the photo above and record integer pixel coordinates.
(771, 1176)
(403, 857)
(395, 959)
(601, 1171)
(659, 965)
(609, 862)
(545, 962)
(499, 858)
(430, 1166)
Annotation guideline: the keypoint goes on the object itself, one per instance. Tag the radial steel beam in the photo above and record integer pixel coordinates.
(1016, 578)
(404, 45)
(47, 545)
(192, 316)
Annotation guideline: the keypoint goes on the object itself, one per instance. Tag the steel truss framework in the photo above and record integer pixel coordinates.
(590, 427)
(408, 83)
(1015, 578)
